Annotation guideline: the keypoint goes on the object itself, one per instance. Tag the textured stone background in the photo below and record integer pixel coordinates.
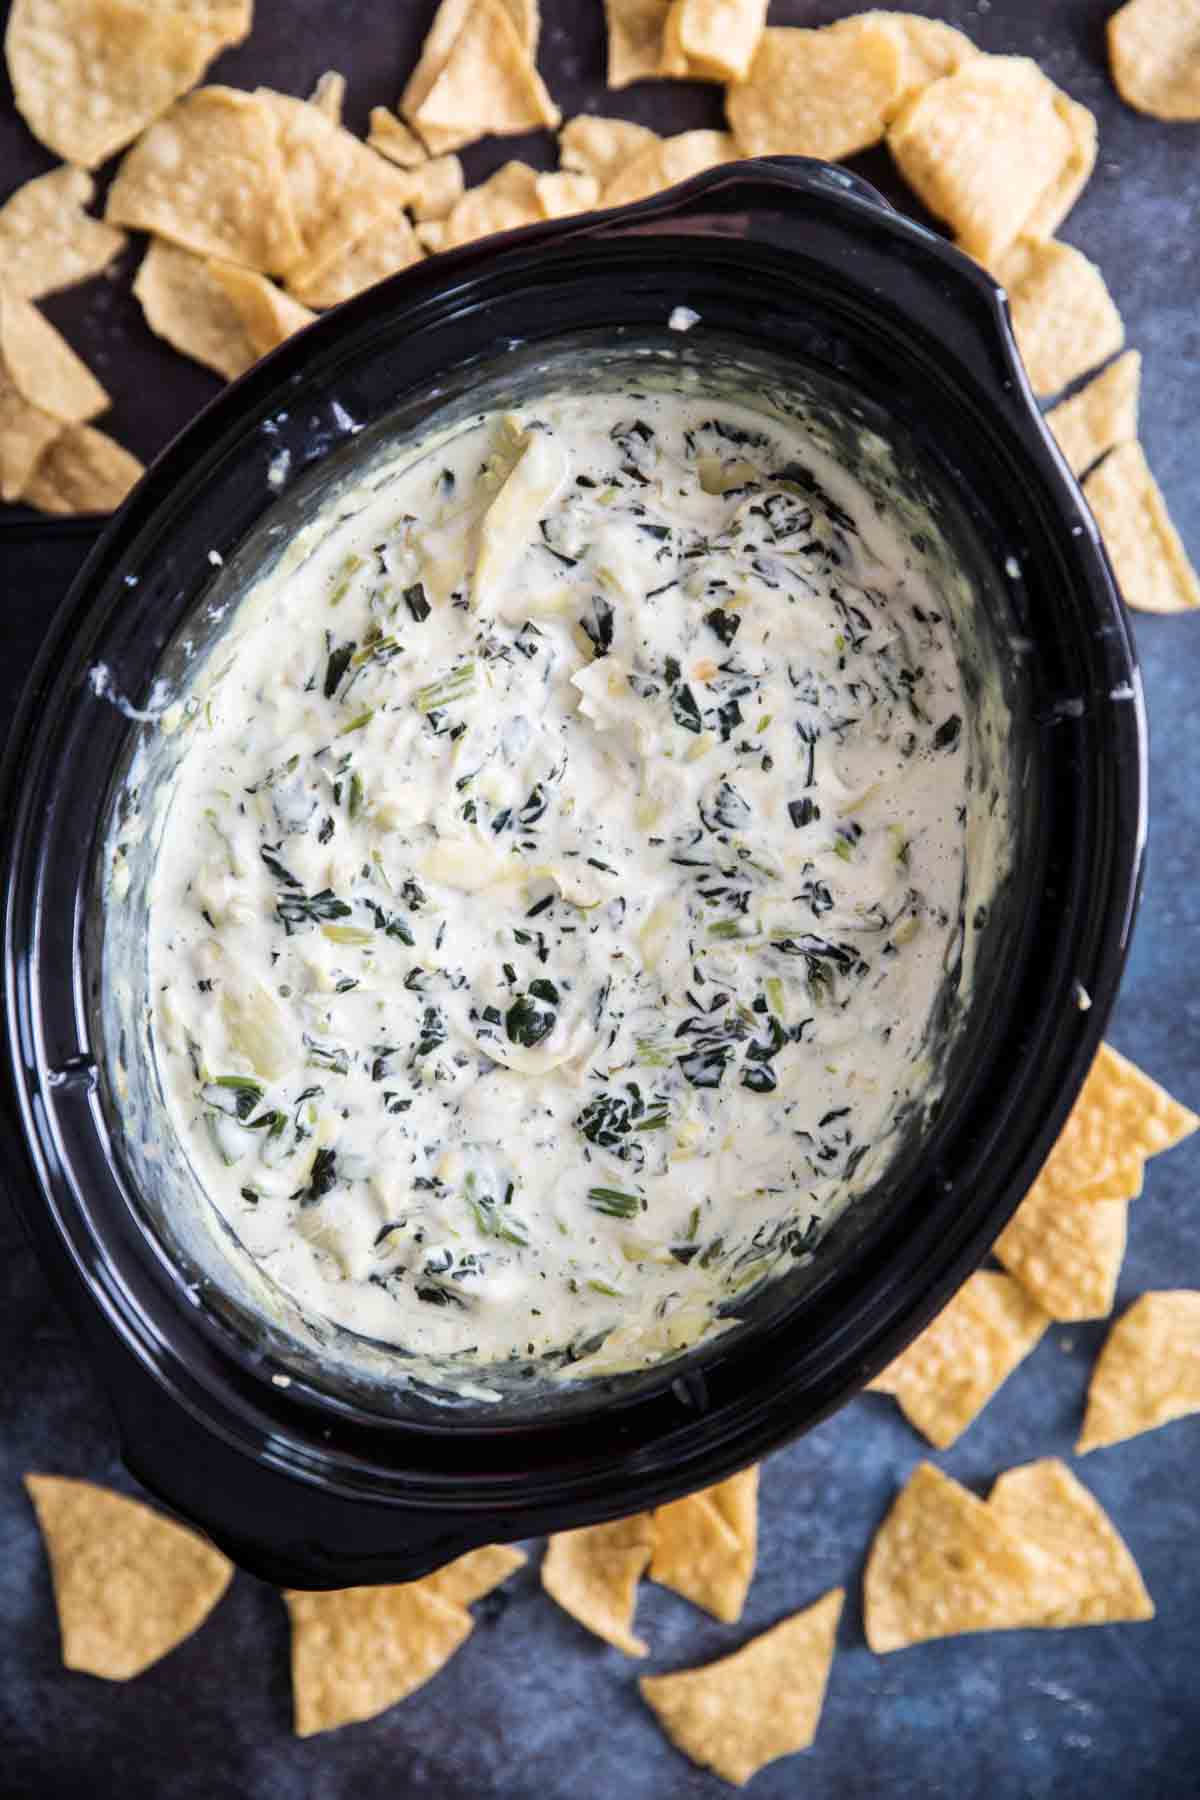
(533, 1706)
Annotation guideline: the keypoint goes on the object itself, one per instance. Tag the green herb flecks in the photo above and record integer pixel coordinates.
(614, 1203)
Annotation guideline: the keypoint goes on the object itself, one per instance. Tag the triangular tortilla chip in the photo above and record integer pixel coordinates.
(696, 1553)
(487, 85)
(468, 1578)
(1066, 1256)
(1045, 1504)
(947, 1376)
(563, 192)
(185, 303)
(824, 93)
(666, 162)
(357, 1651)
(591, 145)
(209, 176)
(1154, 54)
(712, 40)
(1064, 318)
(742, 1712)
(1100, 415)
(26, 432)
(268, 315)
(129, 1584)
(433, 190)
(391, 137)
(337, 188)
(635, 35)
(943, 1563)
(43, 367)
(1148, 556)
(593, 1573)
(89, 75)
(961, 142)
(48, 241)
(1148, 1372)
(82, 471)
(929, 49)
(385, 250)
(501, 203)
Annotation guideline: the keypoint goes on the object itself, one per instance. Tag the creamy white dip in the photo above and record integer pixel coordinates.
(562, 868)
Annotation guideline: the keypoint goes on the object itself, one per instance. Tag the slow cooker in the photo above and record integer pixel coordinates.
(799, 274)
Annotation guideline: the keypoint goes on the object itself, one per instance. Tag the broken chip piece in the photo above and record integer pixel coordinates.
(591, 145)
(1052, 1510)
(267, 314)
(1154, 54)
(1063, 315)
(994, 149)
(563, 193)
(384, 250)
(593, 1573)
(1147, 553)
(943, 1563)
(469, 1577)
(42, 366)
(82, 470)
(711, 40)
(209, 176)
(357, 1651)
(946, 1377)
(826, 93)
(635, 34)
(26, 432)
(705, 1545)
(744, 1711)
(89, 75)
(392, 138)
(185, 303)
(666, 162)
(929, 49)
(487, 85)
(48, 241)
(1148, 1372)
(1101, 415)
(504, 201)
(129, 1584)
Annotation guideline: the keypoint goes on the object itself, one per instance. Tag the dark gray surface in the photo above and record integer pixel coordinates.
(532, 1706)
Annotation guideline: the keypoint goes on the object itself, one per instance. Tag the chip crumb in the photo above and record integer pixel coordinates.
(1051, 1509)
(593, 1573)
(1101, 415)
(1064, 318)
(635, 35)
(82, 471)
(129, 1584)
(1148, 1372)
(682, 318)
(740, 1713)
(942, 1563)
(946, 1377)
(329, 95)
(48, 241)
(825, 93)
(357, 1651)
(994, 149)
(1147, 553)
(1154, 54)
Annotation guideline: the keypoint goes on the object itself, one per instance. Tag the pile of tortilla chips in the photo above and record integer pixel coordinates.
(274, 185)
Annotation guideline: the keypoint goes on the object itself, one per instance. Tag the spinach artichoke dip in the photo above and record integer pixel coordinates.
(564, 858)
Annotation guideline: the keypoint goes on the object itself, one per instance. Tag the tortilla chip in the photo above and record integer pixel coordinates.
(1066, 1257)
(384, 251)
(329, 95)
(468, 1578)
(448, 21)
(431, 235)
(266, 312)
(1154, 54)
(1063, 315)
(740, 1713)
(929, 49)
(1056, 201)
(712, 40)
(946, 1377)
(26, 432)
(48, 241)
(1148, 1372)
(1147, 553)
(501, 203)
(985, 147)
(942, 1563)
(1047, 1506)
(82, 471)
(824, 93)
(89, 75)
(43, 367)
(435, 188)
(337, 188)
(593, 1574)
(526, 16)
(666, 162)
(591, 145)
(1101, 415)
(706, 1544)
(357, 1651)
(129, 1584)
(487, 85)
(209, 176)
(635, 35)
(564, 192)
(185, 303)
(391, 137)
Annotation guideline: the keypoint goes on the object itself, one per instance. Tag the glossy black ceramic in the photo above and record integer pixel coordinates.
(314, 1481)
